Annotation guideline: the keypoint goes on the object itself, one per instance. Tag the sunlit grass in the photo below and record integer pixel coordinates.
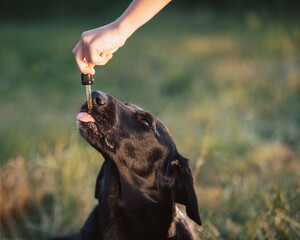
(227, 87)
(51, 193)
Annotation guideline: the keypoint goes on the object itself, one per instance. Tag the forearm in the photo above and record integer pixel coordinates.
(138, 13)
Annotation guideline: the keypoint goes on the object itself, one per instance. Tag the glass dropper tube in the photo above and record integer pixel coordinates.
(88, 80)
(88, 90)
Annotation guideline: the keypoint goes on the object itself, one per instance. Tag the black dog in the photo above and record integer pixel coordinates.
(141, 179)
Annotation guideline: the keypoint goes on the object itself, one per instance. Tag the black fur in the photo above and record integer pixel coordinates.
(141, 178)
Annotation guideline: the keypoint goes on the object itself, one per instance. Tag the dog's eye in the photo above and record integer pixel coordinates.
(144, 118)
(145, 122)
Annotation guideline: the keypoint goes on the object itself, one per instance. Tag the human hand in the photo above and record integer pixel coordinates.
(96, 46)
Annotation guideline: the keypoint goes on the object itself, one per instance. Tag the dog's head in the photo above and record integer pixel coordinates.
(137, 140)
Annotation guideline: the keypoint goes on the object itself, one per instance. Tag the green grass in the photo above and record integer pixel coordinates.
(227, 87)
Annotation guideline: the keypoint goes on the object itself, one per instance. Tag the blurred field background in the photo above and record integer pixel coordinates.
(224, 77)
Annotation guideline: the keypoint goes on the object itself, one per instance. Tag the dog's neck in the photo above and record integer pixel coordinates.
(130, 196)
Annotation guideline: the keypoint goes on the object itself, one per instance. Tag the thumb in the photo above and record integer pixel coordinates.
(88, 69)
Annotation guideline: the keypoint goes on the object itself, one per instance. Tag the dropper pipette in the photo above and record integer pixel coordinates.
(88, 80)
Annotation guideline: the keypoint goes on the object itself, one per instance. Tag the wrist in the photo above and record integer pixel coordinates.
(124, 28)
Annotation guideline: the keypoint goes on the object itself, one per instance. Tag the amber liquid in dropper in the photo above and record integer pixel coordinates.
(89, 96)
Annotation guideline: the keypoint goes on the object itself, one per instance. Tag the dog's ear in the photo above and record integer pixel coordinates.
(184, 191)
(179, 178)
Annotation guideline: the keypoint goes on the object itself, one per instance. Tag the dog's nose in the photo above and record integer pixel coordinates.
(99, 98)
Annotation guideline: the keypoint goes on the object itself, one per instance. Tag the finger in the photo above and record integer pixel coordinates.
(113, 50)
(105, 61)
(92, 55)
(83, 65)
(100, 58)
(87, 52)
(85, 45)
(103, 55)
(97, 57)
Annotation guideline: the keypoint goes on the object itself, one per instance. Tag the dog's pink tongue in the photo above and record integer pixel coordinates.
(84, 117)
